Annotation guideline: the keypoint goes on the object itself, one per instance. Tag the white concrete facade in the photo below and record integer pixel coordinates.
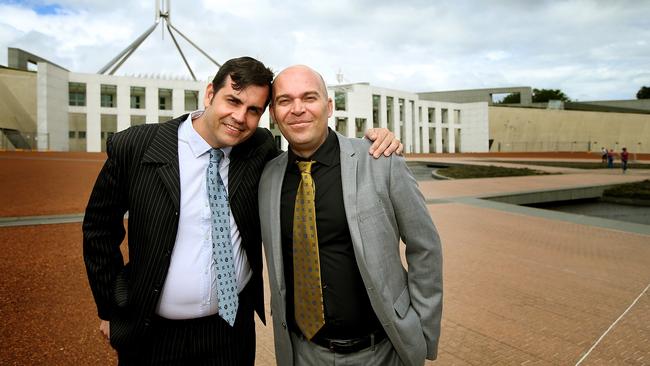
(51, 114)
(53, 107)
(423, 126)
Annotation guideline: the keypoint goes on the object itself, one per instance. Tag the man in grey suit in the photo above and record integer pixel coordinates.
(332, 218)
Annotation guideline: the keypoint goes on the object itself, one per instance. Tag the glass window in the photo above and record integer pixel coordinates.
(191, 100)
(108, 96)
(342, 125)
(137, 120)
(77, 131)
(77, 94)
(137, 97)
(376, 100)
(164, 99)
(107, 101)
(360, 126)
(339, 100)
(108, 127)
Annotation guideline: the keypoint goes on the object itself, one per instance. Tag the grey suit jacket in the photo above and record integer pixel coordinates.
(382, 205)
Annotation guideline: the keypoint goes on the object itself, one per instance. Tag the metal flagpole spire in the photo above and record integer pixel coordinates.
(162, 12)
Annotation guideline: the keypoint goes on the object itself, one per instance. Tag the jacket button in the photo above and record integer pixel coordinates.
(147, 322)
(284, 325)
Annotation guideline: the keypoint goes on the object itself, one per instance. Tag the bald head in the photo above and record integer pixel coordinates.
(301, 108)
(302, 71)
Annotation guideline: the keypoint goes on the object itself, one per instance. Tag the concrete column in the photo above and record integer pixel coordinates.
(178, 101)
(382, 111)
(93, 117)
(201, 96)
(425, 129)
(331, 122)
(284, 145)
(351, 128)
(438, 126)
(265, 120)
(52, 123)
(395, 127)
(123, 107)
(151, 104)
(451, 142)
(408, 126)
(416, 128)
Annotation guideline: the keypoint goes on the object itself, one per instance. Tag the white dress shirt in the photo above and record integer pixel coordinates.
(187, 292)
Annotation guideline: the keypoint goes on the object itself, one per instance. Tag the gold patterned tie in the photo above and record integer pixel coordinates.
(308, 294)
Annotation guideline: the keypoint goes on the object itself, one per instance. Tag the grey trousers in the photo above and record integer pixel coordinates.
(306, 353)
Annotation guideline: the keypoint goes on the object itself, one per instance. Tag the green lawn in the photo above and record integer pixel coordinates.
(563, 164)
(637, 190)
(479, 171)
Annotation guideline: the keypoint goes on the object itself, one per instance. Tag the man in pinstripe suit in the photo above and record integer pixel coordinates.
(159, 308)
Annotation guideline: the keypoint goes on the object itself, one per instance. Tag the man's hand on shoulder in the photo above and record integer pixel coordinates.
(384, 142)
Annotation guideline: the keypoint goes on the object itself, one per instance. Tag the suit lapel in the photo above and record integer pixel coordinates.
(163, 151)
(274, 196)
(349, 162)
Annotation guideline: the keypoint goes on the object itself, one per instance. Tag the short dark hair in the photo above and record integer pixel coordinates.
(244, 72)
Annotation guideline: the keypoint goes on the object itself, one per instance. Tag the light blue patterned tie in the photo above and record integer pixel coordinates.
(224, 280)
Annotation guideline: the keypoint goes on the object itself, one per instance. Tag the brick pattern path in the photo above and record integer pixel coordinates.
(519, 290)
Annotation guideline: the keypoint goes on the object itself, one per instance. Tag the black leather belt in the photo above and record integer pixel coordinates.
(350, 345)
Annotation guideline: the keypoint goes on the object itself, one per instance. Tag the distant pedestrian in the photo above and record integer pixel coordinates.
(603, 154)
(610, 158)
(624, 156)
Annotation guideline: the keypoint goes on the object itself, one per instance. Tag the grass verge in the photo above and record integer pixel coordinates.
(637, 190)
(563, 164)
(490, 171)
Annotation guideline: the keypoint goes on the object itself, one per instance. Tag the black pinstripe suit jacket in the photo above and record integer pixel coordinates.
(141, 176)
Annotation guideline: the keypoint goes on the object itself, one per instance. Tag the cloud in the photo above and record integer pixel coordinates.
(591, 49)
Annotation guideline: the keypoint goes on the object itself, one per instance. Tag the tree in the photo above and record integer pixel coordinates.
(512, 98)
(643, 93)
(544, 95)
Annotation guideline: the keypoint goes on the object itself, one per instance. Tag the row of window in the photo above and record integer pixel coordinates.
(82, 134)
(77, 134)
(108, 97)
(340, 104)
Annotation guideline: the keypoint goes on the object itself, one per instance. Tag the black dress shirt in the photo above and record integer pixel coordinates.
(348, 313)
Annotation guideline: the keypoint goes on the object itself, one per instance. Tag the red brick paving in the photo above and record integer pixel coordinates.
(525, 289)
(46, 183)
(519, 290)
(49, 317)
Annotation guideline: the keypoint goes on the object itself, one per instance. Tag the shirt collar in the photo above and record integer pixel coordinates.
(327, 154)
(197, 144)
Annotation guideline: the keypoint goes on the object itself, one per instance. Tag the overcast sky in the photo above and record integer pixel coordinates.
(592, 50)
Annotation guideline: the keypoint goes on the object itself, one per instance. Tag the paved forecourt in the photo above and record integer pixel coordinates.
(534, 287)
(522, 286)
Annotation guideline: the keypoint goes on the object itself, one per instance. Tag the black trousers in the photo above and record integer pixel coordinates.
(201, 341)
